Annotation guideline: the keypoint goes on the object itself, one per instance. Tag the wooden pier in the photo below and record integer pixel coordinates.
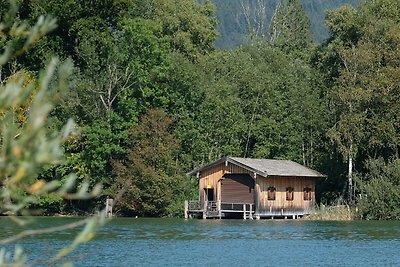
(218, 210)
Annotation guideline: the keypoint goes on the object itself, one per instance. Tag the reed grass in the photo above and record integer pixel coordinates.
(332, 213)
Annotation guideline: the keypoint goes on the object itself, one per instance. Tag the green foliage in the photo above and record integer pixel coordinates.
(189, 24)
(362, 79)
(93, 41)
(344, 24)
(380, 190)
(257, 103)
(148, 179)
(29, 145)
(143, 49)
(290, 27)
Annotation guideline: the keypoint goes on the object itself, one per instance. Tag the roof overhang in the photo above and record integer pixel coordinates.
(226, 160)
(196, 172)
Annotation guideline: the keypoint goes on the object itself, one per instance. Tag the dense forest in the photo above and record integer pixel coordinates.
(152, 98)
(238, 19)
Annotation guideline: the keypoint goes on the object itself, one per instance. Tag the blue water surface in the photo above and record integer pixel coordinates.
(176, 242)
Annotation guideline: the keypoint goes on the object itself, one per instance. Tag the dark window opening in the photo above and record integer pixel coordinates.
(271, 193)
(289, 193)
(307, 193)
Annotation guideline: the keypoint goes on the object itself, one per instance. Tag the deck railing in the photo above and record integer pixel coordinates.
(212, 206)
(218, 209)
(225, 206)
(216, 206)
(195, 206)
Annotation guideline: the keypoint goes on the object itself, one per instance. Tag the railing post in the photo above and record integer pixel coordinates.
(251, 211)
(244, 211)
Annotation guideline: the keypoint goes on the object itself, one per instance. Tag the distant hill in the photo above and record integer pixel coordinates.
(233, 28)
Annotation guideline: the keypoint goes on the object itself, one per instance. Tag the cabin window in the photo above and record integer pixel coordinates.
(289, 193)
(307, 193)
(271, 193)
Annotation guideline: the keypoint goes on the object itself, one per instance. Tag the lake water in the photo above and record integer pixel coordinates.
(176, 242)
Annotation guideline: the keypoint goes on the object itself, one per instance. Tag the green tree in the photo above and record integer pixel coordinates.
(290, 27)
(255, 102)
(189, 24)
(381, 190)
(149, 179)
(365, 44)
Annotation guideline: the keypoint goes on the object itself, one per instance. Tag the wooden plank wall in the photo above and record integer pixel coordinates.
(281, 183)
(212, 176)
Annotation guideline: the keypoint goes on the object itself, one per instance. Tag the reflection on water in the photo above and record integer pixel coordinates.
(175, 242)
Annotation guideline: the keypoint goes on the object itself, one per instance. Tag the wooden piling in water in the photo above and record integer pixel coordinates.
(109, 207)
(186, 209)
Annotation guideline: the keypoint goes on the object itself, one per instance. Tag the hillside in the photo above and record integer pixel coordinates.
(233, 28)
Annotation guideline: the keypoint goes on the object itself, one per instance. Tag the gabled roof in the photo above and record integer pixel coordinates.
(266, 167)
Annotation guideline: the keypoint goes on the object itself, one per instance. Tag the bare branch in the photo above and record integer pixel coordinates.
(27, 233)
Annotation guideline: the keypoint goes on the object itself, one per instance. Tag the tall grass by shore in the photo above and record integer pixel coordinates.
(332, 213)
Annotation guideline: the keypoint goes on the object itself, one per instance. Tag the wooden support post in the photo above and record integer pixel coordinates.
(244, 211)
(186, 208)
(257, 194)
(219, 209)
(205, 210)
(109, 207)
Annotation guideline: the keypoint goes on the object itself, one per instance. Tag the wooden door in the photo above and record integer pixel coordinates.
(237, 188)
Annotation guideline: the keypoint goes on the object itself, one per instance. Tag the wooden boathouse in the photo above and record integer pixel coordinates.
(253, 188)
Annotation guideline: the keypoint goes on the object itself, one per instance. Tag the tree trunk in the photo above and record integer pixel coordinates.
(350, 176)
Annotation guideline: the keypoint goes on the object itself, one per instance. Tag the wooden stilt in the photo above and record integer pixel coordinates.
(109, 207)
(219, 209)
(186, 209)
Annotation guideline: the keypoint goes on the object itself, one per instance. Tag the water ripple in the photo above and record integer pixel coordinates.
(175, 242)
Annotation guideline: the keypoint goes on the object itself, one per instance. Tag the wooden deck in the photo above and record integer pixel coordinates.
(219, 210)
